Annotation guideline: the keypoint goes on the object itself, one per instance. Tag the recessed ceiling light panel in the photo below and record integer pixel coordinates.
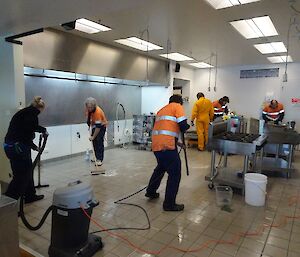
(177, 57)
(89, 27)
(280, 59)
(256, 27)
(201, 65)
(221, 4)
(271, 48)
(139, 44)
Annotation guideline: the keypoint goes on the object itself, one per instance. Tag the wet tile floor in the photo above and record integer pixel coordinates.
(202, 229)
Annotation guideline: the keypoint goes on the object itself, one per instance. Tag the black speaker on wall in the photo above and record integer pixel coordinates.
(177, 67)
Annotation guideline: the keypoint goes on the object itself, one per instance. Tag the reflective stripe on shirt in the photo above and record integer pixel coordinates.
(166, 117)
(170, 118)
(180, 119)
(165, 132)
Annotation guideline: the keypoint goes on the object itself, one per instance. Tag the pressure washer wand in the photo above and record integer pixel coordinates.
(185, 155)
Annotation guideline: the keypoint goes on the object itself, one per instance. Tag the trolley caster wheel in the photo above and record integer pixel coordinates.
(211, 186)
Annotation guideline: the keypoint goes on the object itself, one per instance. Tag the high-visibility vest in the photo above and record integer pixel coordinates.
(273, 114)
(98, 118)
(218, 108)
(166, 128)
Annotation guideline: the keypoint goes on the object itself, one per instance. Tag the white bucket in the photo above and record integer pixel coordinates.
(255, 189)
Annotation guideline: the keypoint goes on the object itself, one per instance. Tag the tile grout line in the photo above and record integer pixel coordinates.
(224, 233)
(265, 243)
(290, 237)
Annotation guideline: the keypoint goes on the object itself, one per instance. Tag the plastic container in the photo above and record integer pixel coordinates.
(255, 189)
(223, 195)
(87, 155)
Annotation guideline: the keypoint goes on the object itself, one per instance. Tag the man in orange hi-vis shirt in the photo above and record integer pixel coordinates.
(273, 112)
(169, 123)
(220, 107)
(97, 121)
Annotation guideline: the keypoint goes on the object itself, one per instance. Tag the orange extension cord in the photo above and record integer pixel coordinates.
(284, 219)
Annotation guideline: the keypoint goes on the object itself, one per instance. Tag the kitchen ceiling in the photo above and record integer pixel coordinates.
(190, 27)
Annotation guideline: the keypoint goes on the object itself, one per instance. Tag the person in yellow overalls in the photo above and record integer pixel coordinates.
(203, 112)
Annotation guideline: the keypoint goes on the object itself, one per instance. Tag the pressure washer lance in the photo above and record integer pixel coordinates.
(185, 155)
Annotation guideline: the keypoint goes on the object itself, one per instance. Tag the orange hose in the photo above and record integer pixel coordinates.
(283, 221)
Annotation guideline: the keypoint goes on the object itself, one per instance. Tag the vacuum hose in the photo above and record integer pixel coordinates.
(25, 221)
(22, 214)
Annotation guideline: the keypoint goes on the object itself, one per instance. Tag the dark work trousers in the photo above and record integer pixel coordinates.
(167, 161)
(22, 183)
(98, 143)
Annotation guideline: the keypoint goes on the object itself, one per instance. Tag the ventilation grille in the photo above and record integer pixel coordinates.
(259, 73)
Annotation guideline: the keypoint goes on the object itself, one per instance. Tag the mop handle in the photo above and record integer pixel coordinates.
(93, 150)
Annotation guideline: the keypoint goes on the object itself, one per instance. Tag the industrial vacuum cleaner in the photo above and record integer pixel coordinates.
(70, 226)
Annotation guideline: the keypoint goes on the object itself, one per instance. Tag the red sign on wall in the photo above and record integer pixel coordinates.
(295, 101)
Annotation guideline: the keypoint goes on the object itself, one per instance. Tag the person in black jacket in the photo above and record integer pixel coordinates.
(18, 145)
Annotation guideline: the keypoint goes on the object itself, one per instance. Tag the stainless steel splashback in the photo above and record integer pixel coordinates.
(65, 99)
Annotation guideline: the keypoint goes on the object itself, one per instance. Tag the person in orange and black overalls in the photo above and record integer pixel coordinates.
(169, 123)
(97, 121)
(273, 112)
(220, 107)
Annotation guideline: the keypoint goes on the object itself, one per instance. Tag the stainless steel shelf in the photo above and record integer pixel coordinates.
(227, 176)
(270, 164)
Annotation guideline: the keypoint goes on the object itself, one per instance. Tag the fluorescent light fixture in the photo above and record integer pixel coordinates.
(139, 44)
(220, 4)
(255, 27)
(90, 27)
(271, 48)
(201, 65)
(177, 57)
(278, 59)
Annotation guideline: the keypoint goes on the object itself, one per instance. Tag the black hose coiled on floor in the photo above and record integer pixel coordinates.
(25, 221)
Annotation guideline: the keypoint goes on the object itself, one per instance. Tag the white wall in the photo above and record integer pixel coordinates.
(12, 94)
(247, 95)
(154, 98)
(71, 139)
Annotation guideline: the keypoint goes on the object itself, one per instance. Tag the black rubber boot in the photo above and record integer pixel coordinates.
(152, 196)
(34, 198)
(175, 207)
